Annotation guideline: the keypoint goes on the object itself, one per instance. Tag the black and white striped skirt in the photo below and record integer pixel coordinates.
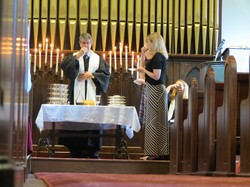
(156, 126)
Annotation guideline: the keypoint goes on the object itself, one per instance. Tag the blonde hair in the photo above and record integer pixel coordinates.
(158, 44)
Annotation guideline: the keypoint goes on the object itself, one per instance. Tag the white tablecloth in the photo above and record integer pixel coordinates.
(80, 117)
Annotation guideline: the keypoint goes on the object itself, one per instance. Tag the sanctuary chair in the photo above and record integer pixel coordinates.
(227, 121)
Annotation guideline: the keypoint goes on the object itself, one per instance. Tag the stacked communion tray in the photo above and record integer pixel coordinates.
(58, 94)
(116, 100)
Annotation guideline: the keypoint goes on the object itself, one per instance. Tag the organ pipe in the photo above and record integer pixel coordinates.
(145, 11)
(113, 24)
(53, 20)
(130, 23)
(104, 22)
(138, 24)
(72, 21)
(164, 20)
(94, 17)
(62, 21)
(204, 24)
(122, 22)
(83, 15)
(44, 20)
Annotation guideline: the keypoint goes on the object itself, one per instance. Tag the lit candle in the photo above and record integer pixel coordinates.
(61, 69)
(110, 61)
(46, 52)
(35, 61)
(132, 63)
(40, 57)
(120, 47)
(115, 58)
(126, 57)
(57, 59)
(137, 66)
(104, 56)
(51, 56)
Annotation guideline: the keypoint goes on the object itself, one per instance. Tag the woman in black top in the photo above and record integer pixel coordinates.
(154, 52)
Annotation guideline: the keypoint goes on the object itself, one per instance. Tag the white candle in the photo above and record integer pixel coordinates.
(132, 63)
(51, 56)
(104, 56)
(137, 66)
(110, 61)
(126, 58)
(57, 59)
(115, 58)
(46, 52)
(120, 47)
(61, 69)
(35, 61)
(40, 57)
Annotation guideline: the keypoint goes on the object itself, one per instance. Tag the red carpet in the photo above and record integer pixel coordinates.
(137, 180)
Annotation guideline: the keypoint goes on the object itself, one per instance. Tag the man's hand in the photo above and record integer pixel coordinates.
(82, 52)
(85, 76)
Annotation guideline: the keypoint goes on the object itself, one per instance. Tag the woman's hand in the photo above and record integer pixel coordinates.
(146, 53)
(144, 49)
(140, 69)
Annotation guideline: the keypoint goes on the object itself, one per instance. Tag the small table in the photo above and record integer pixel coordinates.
(80, 117)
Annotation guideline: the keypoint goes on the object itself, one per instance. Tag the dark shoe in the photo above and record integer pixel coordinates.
(162, 157)
(95, 155)
(76, 154)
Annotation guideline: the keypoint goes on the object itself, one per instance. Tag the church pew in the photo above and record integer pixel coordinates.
(183, 142)
(190, 125)
(184, 159)
(245, 133)
(189, 143)
(206, 127)
(227, 122)
(190, 149)
(242, 94)
(176, 133)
